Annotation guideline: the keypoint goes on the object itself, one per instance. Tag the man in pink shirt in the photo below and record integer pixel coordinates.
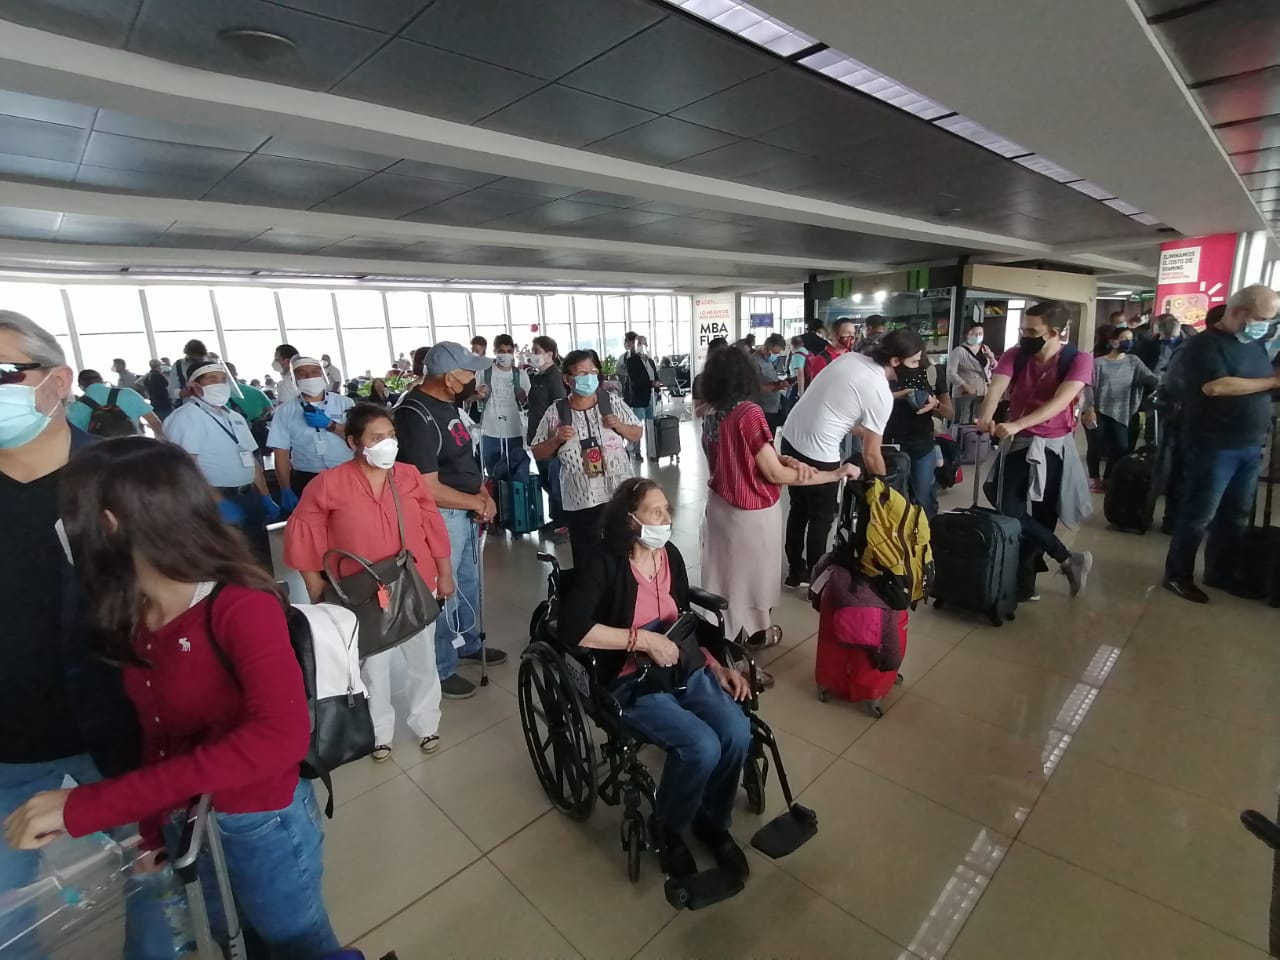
(1044, 480)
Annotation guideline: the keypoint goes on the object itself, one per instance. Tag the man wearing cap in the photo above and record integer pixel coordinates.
(434, 438)
(225, 452)
(307, 433)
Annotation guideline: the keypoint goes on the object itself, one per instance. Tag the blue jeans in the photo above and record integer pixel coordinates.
(1219, 487)
(642, 414)
(706, 737)
(275, 864)
(923, 482)
(504, 458)
(460, 613)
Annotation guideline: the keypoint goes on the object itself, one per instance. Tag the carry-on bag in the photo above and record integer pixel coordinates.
(1258, 571)
(975, 556)
(519, 500)
(975, 446)
(851, 652)
(1130, 502)
(662, 437)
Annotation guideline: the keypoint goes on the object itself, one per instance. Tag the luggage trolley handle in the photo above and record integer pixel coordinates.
(1001, 456)
(199, 832)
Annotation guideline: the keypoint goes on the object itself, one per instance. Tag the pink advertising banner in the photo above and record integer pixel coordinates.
(1194, 276)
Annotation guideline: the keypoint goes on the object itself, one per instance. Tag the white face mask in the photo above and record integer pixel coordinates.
(653, 535)
(312, 386)
(504, 359)
(383, 453)
(216, 394)
(537, 360)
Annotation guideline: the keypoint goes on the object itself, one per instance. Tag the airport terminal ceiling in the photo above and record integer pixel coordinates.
(657, 149)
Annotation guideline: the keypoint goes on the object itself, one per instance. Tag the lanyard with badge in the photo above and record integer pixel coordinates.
(319, 434)
(592, 449)
(246, 456)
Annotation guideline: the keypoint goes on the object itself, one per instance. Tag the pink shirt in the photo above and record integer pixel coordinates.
(1037, 384)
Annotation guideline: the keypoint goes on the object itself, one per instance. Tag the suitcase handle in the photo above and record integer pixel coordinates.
(1270, 487)
(1005, 446)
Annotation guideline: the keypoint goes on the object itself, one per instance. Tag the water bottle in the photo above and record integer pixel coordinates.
(161, 927)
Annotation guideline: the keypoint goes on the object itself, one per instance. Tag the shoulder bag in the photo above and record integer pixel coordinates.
(390, 599)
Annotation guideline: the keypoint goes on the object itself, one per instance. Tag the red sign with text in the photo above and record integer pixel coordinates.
(1194, 276)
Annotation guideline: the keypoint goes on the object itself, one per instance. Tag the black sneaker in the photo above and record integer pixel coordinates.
(492, 656)
(1186, 588)
(796, 579)
(728, 855)
(457, 688)
(675, 856)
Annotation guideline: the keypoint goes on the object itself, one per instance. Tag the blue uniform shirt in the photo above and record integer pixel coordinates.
(310, 450)
(218, 438)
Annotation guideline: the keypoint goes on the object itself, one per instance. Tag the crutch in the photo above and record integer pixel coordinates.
(478, 556)
(202, 829)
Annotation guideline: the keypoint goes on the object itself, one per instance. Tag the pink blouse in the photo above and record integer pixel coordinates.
(339, 511)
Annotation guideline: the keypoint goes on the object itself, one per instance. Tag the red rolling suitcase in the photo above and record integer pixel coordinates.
(849, 641)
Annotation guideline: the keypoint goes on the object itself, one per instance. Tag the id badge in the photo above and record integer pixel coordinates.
(592, 457)
(246, 459)
(320, 443)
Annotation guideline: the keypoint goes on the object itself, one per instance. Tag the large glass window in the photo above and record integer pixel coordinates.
(586, 324)
(490, 313)
(524, 316)
(615, 324)
(364, 332)
(308, 321)
(452, 320)
(642, 317)
(250, 328)
(109, 325)
(42, 303)
(555, 310)
(663, 342)
(178, 314)
(410, 324)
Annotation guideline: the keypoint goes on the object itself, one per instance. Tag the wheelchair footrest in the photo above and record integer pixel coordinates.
(702, 889)
(787, 832)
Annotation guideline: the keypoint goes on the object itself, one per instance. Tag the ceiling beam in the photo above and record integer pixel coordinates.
(48, 65)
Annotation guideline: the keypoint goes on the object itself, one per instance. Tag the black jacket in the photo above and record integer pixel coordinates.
(545, 388)
(638, 389)
(604, 591)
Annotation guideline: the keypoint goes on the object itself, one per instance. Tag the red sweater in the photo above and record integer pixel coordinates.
(201, 730)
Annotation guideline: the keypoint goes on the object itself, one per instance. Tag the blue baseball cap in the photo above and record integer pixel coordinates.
(447, 356)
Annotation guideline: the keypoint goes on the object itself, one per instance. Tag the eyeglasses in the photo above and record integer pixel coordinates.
(16, 372)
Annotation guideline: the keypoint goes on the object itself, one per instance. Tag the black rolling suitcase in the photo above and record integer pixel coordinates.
(1259, 569)
(662, 437)
(975, 556)
(1132, 487)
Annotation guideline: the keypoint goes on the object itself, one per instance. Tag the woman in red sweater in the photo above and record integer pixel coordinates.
(150, 548)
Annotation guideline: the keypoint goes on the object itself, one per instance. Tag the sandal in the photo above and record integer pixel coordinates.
(769, 637)
(430, 743)
(381, 753)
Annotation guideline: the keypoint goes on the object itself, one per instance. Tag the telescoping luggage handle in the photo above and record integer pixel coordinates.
(1268, 479)
(201, 832)
(1005, 446)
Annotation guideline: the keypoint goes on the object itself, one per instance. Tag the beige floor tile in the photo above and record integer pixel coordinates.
(1040, 907)
(804, 763)
(793, 705)
(1201, 683)
(924, 652)
(1229, 764)
(1243, 632)
(486, 785)
(383, 851)
(576, 875)
(476, 914)
(1080, 647)
(773, 917)
(969, 766)
(358, 778)
(1177, 849)
(951, 626)
(463, 719)
(886, 854)
(1032, 703)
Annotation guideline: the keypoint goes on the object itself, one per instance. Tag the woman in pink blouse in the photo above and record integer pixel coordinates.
(350, 508)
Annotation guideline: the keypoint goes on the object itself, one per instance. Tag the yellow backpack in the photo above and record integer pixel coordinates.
(885, 538)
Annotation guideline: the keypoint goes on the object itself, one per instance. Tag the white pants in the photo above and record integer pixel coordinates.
(422, 687)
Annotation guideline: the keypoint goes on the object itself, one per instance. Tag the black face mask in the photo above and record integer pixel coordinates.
(1031, 345)
(467, 391)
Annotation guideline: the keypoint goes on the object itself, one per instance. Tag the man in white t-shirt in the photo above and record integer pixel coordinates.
(504, 389)
(850, 395)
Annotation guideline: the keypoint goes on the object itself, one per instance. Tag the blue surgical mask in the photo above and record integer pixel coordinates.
(1255, 330)
(1124, 346)
(585, 384)
(973, 340)
(20, 419)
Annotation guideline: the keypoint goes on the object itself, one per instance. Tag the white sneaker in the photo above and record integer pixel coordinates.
(1076, 569)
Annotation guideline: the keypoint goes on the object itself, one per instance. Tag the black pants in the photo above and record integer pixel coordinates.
(1040, 521)
(775, 420)
(586, 529)
(254, 524)
(809, 520)
(298, 480)
(1108, 441)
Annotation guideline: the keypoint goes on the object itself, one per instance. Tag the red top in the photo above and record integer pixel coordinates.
(339, 511)
(654, 602)
(1036, 386)
(201, 731)
(735, 475)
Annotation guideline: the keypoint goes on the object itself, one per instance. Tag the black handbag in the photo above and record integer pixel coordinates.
(390, 599)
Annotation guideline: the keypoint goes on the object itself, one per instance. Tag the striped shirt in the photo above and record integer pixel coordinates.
(735, 476)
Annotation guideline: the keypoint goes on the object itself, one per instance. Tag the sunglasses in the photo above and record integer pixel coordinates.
(15, 372)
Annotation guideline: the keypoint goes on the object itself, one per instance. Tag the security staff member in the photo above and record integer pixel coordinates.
(307, 433)
(224, 450)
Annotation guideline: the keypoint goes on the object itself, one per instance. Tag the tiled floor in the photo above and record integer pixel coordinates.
(1065, 786)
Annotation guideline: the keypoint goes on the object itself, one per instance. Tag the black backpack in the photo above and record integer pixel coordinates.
(107, 419)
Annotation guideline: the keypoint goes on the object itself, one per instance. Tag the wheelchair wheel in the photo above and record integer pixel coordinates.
(535, 620)
(633, 843)
(557, 733)
(753, 781)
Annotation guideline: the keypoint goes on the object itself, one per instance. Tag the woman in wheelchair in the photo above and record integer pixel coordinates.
(677, 697)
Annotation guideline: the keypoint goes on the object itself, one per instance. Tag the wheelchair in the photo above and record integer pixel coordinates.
(562, 703)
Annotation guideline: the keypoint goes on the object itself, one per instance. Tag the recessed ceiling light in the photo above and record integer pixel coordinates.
(257, 45)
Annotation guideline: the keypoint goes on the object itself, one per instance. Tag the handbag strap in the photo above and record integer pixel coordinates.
(333, 576)
(395, 496)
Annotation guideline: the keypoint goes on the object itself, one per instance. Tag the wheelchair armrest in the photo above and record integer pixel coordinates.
(735, 654)
(708, 600)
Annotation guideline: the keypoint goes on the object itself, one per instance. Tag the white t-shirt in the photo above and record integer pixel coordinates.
(501, 411)
(851, 391)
